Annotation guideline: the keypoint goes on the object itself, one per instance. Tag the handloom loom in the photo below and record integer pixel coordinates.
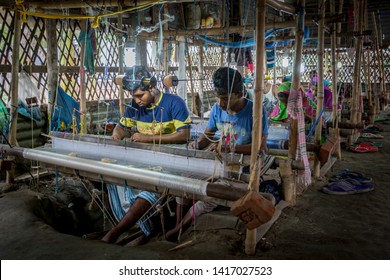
(192, 173)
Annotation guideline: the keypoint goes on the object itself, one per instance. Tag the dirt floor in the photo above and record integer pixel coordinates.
(320, 226)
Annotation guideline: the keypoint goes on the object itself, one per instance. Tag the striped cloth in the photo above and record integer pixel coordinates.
(295, 109)
(122, 198)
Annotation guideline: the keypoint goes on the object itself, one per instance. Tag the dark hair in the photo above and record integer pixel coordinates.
(227, 80)
(135, 78)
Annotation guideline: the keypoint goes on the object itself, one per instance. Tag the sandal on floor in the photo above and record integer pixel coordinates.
(351, 175)
(371, 135)
(372, 129)
(364, 147)
(366, 142)
(347, 186)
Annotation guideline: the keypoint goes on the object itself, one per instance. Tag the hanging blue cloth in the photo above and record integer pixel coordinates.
(251, 42)
(241, 44)
(66, 107)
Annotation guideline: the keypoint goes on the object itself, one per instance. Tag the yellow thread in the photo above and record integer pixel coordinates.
(96, 18)
(95, 23)
(19, 4)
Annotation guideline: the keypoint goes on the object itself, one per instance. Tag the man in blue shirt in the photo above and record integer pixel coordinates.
(232, 118)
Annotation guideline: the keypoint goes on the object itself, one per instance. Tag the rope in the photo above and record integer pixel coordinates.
(94, 196)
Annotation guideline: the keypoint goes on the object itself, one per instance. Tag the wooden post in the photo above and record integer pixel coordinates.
(121, 61)
(320, 84)
(165, 43)
(379, 58)
(201, 76)
(222, 61)
(290, 192)
(382, 58)
(340, 12)
(194, 106)
(10, 175)
(371, 106)
(52, 64)
(83, 83)
(255, 166)
(182, 86)
(358, 7)
(141, 52)
(335, 99)
(288, 181)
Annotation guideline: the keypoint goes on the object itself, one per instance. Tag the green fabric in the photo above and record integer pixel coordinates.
(4, 116)
(282, 114)
(312, 103)
(284, 87)
(89, 61)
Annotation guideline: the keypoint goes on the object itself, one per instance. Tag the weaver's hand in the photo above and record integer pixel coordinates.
(192, 145)
(215, 147)
(143, 138)
(116, 137)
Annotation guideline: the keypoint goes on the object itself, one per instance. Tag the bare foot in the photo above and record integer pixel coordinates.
(110, 237)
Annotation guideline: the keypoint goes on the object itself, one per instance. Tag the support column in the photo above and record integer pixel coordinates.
(201, 77)
(320, 84)
(121, 54)
(14, 91)
(335, 97)
(83, 84)
(52, 64)
(358, 6)
(182, 86)
(255, 166)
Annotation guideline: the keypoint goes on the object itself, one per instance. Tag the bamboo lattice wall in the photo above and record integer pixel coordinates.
(100, 84)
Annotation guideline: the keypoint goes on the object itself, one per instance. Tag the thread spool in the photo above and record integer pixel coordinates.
(170, 81)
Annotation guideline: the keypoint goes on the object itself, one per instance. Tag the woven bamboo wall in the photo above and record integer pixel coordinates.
(100, 84)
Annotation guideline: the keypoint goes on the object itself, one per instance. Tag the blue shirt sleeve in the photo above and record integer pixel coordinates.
(265, 122)
(212, 124)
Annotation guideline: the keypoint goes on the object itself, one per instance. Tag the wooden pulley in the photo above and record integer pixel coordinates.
(119, 79)
(170, 81)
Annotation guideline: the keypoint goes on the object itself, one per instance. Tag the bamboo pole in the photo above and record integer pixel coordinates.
(382, 56)
(379, 58)
(375, 87)
(234, 29)
(194, 108)
(334, 69)
(335, 99)
(255, 166)
(83, 84)
(52, 64)
(141, 57)
(222, 61)
(121, 62)
(320, 84)
(201, 76)
(10, 175)
(290, 191)
(383, 92)
(356, 72)
(367, 72)
(182, 86)
(30, 69)
(340, 12)
(165, 43)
